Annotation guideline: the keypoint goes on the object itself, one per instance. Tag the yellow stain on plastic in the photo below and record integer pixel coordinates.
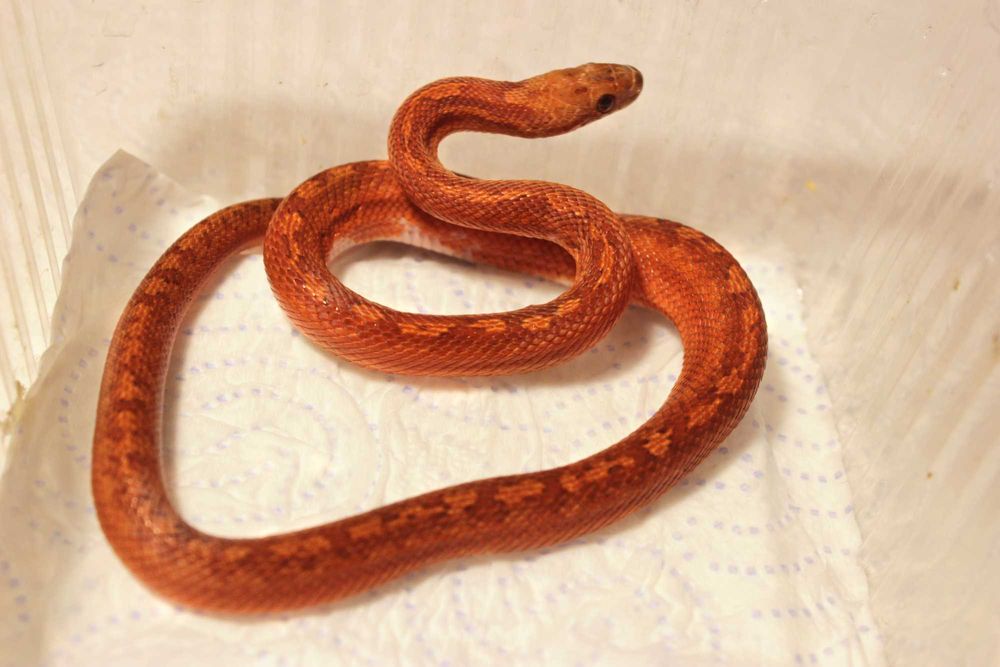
(811, 185)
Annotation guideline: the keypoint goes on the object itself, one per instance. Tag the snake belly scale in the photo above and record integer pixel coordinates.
(544, 229)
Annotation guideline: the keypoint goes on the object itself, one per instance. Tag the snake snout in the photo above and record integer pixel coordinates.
(623, 81)
(636, 79)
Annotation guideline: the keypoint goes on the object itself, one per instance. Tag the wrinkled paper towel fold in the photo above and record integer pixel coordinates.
(752, 560)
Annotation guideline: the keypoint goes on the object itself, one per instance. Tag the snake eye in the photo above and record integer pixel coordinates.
(605, 102)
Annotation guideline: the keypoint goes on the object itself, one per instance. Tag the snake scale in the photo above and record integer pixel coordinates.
(609, 260)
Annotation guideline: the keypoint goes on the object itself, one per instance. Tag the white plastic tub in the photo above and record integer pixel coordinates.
(859, 142)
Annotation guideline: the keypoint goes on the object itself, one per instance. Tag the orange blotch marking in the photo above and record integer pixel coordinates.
(369, 528)
(537, 323)
(492, 325)
(170, 260)
(155, 285)
(703, 413)
(126, 387)
(607, 264)
(570, 482)
(429, 330)
(290, 221)
(140, 314)
(443, 90)
(515, 493)
(598, 472)
(731, 383)
(412, 514)
(568, 306)
(661, 445)
(457, 502)
(624, 462)
(127, 422)
(602, 468)
(193, 239)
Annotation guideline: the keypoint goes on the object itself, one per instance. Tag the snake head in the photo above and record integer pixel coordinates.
(569, 98)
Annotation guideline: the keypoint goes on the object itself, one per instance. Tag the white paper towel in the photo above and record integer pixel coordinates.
(752, 560)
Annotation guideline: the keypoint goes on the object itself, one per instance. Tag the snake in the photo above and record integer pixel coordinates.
(606, 260)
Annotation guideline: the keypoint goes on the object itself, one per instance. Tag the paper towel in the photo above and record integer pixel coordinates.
(751, 560)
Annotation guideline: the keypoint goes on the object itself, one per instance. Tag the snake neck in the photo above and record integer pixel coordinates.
(554, 212)
(435, 112)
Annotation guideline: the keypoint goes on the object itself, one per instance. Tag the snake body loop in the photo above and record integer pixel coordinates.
(539, 228)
